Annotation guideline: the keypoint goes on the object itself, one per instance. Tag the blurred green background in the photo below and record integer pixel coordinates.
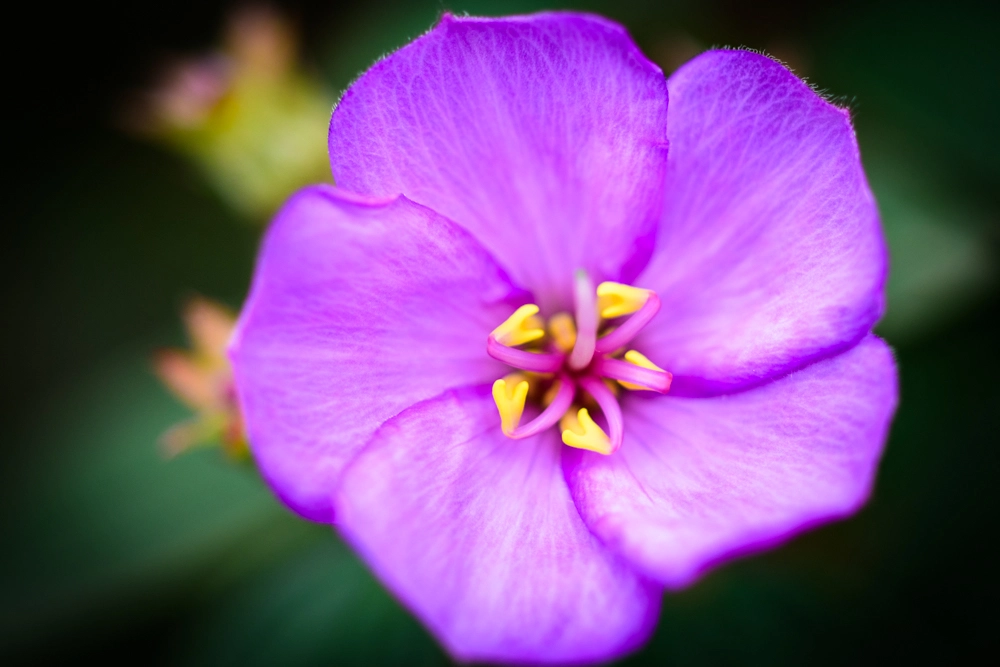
(112, 552)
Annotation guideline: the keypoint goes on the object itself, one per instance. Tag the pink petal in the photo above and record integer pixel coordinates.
(543, 135)
(702, 480)
(770, 254)
(359, 309)
(478, 536)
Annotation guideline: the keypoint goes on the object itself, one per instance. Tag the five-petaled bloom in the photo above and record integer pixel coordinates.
(522, 227)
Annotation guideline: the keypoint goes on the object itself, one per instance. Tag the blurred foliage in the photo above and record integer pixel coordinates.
(202, 378)
(112, 552)
(248, 117)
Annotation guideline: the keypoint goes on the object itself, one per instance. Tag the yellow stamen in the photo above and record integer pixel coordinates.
(616, 299)
(582, 432)
(509, 394)
(521, 327)
(638, 359)
(563, 331)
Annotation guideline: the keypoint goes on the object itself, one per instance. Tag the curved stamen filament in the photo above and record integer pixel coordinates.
(637, 372)
(609, 406)
(551, 414)
(587, 320)
(630, 327)
(536, 362)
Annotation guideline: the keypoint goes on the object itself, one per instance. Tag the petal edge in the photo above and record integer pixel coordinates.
(359, 308)
(770, 254)
(478, 536)
(703, 480)
(543, 135)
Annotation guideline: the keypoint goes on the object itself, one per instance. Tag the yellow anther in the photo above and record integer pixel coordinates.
(521, 327)
(563, 331)
(639, 359)
(616, 299)
(509, 394)
(582, 432)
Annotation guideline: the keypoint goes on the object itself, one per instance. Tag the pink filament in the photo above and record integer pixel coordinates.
(550, 415)
(626, 372)
(609, 406)
(630, 327)
(536, 362)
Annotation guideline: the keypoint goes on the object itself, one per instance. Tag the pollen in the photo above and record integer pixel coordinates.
(639, 359)
(616, 299)
(582, 432)
(510, 394)
(524, 326)
(563, 331)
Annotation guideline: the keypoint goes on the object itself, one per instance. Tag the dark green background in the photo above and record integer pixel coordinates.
(111, 552)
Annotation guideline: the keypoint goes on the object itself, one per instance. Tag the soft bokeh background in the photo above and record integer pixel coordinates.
(110, 551)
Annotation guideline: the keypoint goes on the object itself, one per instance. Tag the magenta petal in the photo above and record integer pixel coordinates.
(770, 254)
(701, 480)
(478, 536)
(358, 310)
(543, 135)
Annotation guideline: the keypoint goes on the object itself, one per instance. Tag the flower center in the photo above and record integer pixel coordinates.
(570, 365)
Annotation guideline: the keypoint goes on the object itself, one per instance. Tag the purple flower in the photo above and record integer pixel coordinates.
(511, 234)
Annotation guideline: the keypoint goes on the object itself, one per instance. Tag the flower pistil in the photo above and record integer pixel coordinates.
(570, 365)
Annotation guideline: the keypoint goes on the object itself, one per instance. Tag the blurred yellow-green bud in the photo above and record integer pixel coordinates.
(203, 379)
(248, 115)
